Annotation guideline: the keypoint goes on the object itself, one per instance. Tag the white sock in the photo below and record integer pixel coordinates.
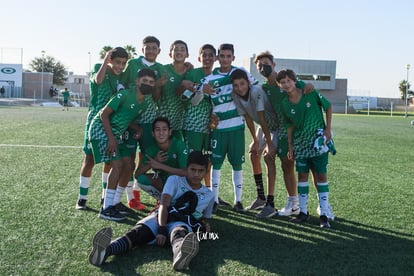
(84, 183)
(109, 198)
(118, 194)
(136, 186)
(293, 201)
(323, 197)
(303, 192)
(104, 183)
(129, 190)
(215, 183)
(238, 185)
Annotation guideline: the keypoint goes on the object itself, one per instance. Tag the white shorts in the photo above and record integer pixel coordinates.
(262, 140)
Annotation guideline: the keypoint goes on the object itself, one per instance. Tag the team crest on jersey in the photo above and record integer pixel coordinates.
(172, 79)
(292, 111)
(174, 156)
(132, 106)
(308, 104)
(201, 196)
(119, 95)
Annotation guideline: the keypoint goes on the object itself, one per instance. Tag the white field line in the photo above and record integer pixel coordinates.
(39, 146)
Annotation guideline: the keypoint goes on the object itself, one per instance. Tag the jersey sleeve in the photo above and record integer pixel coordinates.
(116, 101)
(260, 98)
(170, 187)
(322, 101)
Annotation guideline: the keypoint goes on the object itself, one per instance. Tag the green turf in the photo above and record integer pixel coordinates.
(372, 194)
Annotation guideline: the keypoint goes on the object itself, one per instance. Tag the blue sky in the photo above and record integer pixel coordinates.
(371, 41)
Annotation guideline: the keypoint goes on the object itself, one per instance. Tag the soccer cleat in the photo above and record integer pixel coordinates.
(323, 222)
(329, 212)
(111, 213)
(291, 209)
(135, 204)
(81, 204)
(257, 204)
(184, 251)
(222, 202)
(100, 243)
(238, 207)
(267, 212)
(302, 217)
(122, 209)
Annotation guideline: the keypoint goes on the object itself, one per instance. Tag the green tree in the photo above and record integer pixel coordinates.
(50, 64)
(403, 88)
(131, 50)
(105, 49)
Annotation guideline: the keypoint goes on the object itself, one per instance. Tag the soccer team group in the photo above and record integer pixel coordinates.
(183, 122)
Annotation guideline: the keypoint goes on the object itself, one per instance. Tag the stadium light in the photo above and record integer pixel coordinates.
(41, 85)
(89, 70)
(406, 92)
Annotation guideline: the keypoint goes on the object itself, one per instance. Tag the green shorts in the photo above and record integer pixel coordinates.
(197, 141)
(230, 143)
(99, 151)
(146, 140)
(130, 143)
(282, 144)
(262, 139)
(318, 163)
(87, 148)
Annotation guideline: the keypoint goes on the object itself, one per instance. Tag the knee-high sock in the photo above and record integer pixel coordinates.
(215, 183)
(238, 185)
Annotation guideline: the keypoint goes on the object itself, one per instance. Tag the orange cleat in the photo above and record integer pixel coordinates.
(135, 204)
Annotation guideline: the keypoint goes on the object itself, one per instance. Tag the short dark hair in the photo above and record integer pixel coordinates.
(286, 73)
(178, 42)
(119, 53)
(239, 74)
(151, 39)
(226, 46)
(207, 46)
(146, 72)
(197, 157)
(265, 54)
(161, 119)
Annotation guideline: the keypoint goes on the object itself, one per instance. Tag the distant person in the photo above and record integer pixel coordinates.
(2, 91)
(52, 91)
(65, 93)
(186, 205)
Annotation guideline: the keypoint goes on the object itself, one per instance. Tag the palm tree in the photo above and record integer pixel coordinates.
(132, 52)
(403, 88)
(105, 49)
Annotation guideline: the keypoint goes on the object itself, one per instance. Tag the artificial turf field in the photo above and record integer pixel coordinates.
(371, 192)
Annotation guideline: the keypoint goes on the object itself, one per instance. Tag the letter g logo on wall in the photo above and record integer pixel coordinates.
(8, 70)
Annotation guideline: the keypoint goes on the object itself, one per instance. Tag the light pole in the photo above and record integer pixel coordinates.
(89, 53)
(41, 83)
(406, 92)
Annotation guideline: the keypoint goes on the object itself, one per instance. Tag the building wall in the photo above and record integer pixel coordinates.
(32, 83)
(335, 90)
